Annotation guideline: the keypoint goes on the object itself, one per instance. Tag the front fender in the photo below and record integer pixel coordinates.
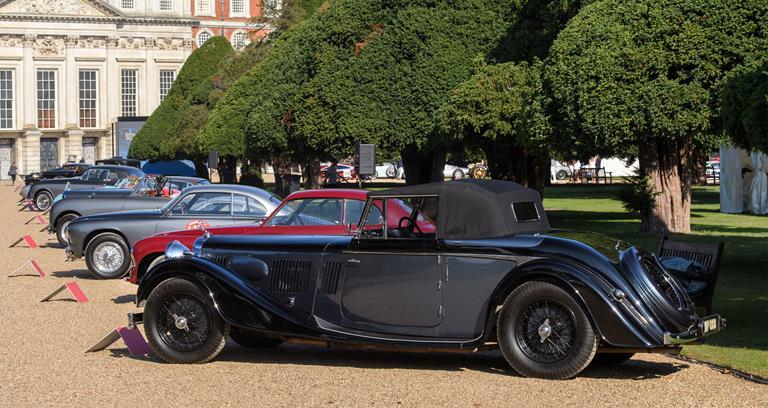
(236, 301)
(619, 324)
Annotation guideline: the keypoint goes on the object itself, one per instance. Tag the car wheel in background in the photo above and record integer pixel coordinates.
(107, 256)
(156, 261)
(477, 172)
(181, 324)
(252, 339)
(458, 174)
(43, 200)
(611, 359)
(391, 172)
(544, 333)
(61, 227)
(561, 174)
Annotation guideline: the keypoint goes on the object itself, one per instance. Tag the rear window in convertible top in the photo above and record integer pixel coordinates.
(525, 211)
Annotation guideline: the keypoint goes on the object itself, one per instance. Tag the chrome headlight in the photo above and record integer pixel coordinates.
(176, 250)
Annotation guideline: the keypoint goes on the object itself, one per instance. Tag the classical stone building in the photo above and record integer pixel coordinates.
(232, 19)
(69, 69)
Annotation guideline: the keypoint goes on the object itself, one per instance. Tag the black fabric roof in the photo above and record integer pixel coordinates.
(475, 209)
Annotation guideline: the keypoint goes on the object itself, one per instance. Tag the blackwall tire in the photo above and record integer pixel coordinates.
(543, 332)
(611, 359)
(61, 225)
(252, 339)
(43, 200)
(177, 298)
(561, 175)
(458, 174)
(107, 256)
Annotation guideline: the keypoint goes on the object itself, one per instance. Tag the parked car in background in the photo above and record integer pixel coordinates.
(308, 212)
(390, 170)
(713, 170)
(145, 194)
(455, 171)
(120, 161)
(105, 240)
(345, 172)
(485, 275)
(67, 170)
(42, 192)
(559, 171)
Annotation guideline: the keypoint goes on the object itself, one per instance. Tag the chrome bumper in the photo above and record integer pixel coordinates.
(706, 326)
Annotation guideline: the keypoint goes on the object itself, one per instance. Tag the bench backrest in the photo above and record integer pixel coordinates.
(708, 255)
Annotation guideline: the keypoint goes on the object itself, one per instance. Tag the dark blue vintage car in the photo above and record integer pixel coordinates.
(470, 268)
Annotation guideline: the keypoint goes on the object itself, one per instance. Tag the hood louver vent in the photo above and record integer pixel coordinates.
(329, 277)
(289, 275)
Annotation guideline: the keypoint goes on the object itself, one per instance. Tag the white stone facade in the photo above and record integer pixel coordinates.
(70, 68)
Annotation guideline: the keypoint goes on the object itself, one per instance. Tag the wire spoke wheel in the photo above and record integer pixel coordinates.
(545, 331)
(184, 323)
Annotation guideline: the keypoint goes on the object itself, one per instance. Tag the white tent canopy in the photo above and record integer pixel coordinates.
(743, 181)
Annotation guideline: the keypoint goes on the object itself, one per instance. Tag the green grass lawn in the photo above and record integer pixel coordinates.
(741, 294)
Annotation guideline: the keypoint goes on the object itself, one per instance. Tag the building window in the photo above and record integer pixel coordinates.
(202, 38)
(46, 99)
(127, 4)
(87, 91)
(273, 4)
(238, 8)
(203, 7)
(6, 99)
(166, 5)
(239, 39)
(166, 79)
(129, 78)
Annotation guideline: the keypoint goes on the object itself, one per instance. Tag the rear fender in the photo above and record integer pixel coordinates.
(237, 302)
(592, 292)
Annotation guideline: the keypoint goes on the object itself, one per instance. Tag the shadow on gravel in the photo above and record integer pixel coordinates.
(122, 299)
(74, 273)
(634, 370)
(487, 362)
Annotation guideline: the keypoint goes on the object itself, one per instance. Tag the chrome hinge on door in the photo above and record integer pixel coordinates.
(440, 311)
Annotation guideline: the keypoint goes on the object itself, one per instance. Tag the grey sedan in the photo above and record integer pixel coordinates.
(105, 240)
(146, 194)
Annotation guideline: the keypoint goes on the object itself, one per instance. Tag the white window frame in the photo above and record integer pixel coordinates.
(94, 99)
(168, 3)
(49, 98)
(7, 75)
(128, 4)
(246, 9)
(246, 40)
(125, 110)
(200, 8)
(200, 33)
(165, 87)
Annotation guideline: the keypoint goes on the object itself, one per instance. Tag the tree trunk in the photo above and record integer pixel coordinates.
(201, 169)
(515, 163)
(228, 170)
(251, 173)
(423, 166)
(700, 168)
(668, 166)
(311, 174)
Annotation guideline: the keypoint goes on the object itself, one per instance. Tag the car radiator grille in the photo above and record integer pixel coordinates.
(329, 278)
(662, 281)
(289, 275)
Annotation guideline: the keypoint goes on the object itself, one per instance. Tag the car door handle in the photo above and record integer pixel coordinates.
(353, 262)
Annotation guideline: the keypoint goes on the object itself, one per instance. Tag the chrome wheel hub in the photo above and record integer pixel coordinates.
(108, 257)
(545, 330)
(181, 322)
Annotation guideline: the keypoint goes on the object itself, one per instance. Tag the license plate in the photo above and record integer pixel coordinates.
(710, 324)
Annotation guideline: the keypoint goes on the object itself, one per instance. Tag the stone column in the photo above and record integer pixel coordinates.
(71, 82)
(75, 143)
(30, 82)
(32, 150)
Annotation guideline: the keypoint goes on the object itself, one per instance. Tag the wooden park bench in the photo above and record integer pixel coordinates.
(707, 255)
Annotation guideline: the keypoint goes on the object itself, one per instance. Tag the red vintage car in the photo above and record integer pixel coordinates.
(309, 212)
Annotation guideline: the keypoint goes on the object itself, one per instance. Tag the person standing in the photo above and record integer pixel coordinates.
(332, 175)
(13, 171)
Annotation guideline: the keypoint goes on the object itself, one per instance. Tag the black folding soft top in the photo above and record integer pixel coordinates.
(476, 209)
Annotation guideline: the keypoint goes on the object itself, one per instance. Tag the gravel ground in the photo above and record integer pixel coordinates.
(42, 359)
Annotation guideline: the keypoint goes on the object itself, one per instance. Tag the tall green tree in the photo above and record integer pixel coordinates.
(197, 70)
(744, 107)
(644, 75)
(501, 110)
